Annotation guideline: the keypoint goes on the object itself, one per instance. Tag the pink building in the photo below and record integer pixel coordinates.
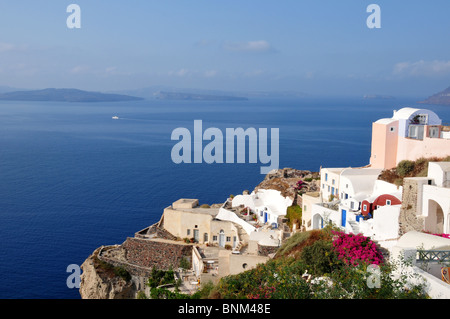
(410, 134)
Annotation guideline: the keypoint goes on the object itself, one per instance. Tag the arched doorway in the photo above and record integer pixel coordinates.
(222, 238)
(317, 221)
(434, 222)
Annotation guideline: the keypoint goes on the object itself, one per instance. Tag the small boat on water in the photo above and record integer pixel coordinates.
(115, 117)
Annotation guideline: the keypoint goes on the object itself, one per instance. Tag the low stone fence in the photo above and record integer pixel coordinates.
(154, 231)
(266, 250)
(134, 270)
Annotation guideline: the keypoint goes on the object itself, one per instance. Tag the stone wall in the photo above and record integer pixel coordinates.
(408, 219)
(154, 253)
(266, 250)
(155, 231)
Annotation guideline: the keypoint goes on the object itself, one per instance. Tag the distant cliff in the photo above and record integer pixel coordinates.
(441, 98)
(65, 95)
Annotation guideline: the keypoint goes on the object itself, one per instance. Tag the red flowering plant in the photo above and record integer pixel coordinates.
(299, 187)
(440, 235)
(355, 249)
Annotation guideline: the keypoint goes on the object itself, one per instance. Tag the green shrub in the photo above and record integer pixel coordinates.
(122, 273)
(184, 263)
(294, 213)
(160, 277)
(320, 257)
(405, 167)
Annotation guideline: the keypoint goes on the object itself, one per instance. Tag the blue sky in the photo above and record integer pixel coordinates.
(320, 47)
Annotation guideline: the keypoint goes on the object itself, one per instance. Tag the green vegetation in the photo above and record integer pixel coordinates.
(184, 264)
(161, 277)
(309, 265)
(312, 253)
(294, 214)
(110, 270)
(159, 281)
(406, 168)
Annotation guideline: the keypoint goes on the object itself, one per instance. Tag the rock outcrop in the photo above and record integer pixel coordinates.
(285, 180)
(101, 283)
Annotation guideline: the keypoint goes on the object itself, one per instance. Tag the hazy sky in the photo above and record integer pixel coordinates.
(319, 47)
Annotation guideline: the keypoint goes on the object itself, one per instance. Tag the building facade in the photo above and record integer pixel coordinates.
(409, 135)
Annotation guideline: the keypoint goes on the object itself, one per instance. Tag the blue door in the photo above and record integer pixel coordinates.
(343, 217)
(265, 217)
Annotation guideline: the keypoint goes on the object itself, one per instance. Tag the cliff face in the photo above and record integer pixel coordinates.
(98, 283)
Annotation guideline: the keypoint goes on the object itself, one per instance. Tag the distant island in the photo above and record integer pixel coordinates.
(441, 98)
(65, 95)
(196, 97)
(378, 97)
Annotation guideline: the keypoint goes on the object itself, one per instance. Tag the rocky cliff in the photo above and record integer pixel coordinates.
(285, 180)
(100, 282)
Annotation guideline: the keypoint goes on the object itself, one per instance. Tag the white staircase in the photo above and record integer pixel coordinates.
(355, 226)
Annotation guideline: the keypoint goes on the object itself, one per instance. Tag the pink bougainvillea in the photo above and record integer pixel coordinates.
(440, 235)
(354, 249)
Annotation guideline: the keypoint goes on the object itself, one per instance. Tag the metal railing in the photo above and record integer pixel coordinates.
(433, 255)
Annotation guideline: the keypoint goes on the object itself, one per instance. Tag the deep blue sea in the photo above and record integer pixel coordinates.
(72, 179)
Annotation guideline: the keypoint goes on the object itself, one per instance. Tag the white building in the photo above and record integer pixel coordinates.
(267, 204)
(383, 203)
(434, 198)
(329, 182)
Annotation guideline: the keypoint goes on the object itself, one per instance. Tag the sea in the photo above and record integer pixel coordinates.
(73, 179)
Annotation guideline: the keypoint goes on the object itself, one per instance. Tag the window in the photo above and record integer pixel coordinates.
(323, 186)
(392, 129)
(364, 207)
(388, 202)
(228, 238)
(188, 232)
(416, 132)
(433, 132)
(332, 181)
(332, 190)
(352, 205)
(214, 238)
(328, 188)
(326, 177)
